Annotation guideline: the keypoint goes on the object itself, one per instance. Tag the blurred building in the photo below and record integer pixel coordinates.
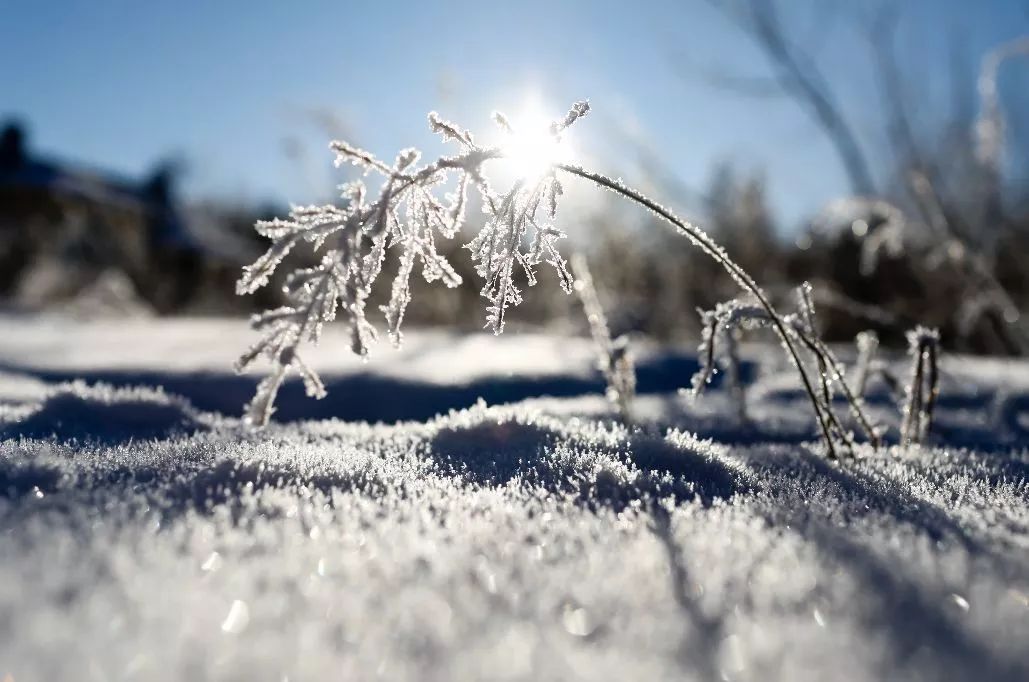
(67, 229)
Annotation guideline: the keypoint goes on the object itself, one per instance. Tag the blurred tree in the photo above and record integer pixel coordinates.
(946, 180)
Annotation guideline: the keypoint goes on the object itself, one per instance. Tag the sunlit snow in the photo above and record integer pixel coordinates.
(145, 535)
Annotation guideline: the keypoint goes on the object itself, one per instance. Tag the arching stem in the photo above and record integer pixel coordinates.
(709, 246)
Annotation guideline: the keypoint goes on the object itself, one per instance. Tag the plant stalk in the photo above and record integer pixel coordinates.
(709, 246)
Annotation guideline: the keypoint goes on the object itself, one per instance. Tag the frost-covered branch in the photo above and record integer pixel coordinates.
(705, 243)
(358, 235)
(408, 214)
(718, 345)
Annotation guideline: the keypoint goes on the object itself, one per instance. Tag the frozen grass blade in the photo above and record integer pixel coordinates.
(613, 356)
(922, 389)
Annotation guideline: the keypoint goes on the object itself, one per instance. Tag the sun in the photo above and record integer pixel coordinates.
(530, 148)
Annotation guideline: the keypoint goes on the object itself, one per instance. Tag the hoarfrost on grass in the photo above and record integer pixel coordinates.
(535, 540)
(347, 274)
(356, 237)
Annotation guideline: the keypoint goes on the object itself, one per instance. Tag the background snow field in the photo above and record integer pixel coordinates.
(145, 534)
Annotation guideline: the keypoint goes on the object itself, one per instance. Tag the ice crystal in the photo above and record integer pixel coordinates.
(410, 211)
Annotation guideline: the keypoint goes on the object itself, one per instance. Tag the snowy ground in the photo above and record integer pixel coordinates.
(144, 534)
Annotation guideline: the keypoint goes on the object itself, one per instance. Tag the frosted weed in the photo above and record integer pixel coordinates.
(416, 204)
(614, 358)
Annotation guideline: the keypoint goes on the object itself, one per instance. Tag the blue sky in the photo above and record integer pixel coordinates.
(121, 84)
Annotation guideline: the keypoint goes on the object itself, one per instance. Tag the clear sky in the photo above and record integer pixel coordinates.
(232, 85)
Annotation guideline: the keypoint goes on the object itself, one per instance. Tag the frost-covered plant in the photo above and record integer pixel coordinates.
(867, 343)
(941, 234)
(407, 214)
(868, 366)
(922, 389)
(918, 396)
(881, 226)
(990, 125)
(354, 239)
(614, 358)
(718, 347)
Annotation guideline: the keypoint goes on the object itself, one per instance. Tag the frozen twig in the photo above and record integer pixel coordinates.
(613, 356)
(358, 235)
(719, 327)
(922, 388)
(719, 347)
(408, 215)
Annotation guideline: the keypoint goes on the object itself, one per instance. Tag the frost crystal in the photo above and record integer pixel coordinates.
(407, 215)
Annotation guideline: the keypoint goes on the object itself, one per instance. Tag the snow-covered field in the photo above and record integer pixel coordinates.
(145, 534)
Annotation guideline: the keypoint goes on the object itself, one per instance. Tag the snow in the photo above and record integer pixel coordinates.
(147, 535)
